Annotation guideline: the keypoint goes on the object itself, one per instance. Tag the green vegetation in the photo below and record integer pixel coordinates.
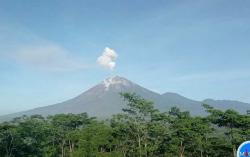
(139, 131)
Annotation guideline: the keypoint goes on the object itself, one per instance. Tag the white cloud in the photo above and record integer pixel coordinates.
(47, 57)
(108, 58)
(31, 51)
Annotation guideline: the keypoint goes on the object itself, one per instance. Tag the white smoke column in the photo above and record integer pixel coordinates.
(108, 58)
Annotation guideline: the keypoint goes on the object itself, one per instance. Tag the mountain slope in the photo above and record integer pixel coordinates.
(226, 104)
(104, 100)
(173, 99)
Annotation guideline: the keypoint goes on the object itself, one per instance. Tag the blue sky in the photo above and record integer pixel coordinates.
(197, 48)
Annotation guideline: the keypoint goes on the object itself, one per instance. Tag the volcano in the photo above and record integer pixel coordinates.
(104, 99)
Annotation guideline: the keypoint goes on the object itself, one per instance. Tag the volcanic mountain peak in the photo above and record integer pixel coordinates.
(104, 100)
(116, 81)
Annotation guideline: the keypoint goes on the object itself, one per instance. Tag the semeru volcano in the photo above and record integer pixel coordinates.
(104, 99)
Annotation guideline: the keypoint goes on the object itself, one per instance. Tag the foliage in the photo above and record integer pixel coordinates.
(139, 131)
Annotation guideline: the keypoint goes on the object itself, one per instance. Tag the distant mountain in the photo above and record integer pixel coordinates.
(173, 99)
(104, 100)
(228, 104)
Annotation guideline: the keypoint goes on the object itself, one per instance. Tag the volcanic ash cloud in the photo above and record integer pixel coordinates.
(108, 58)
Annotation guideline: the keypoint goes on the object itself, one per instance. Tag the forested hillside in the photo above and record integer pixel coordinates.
(139, 130)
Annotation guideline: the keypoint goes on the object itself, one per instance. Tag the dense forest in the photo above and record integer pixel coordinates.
(140, 130)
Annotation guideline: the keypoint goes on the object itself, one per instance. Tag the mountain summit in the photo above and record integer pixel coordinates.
(117, 82)
(104, 99)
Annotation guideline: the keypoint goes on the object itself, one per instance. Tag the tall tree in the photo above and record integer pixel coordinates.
(232, 121)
